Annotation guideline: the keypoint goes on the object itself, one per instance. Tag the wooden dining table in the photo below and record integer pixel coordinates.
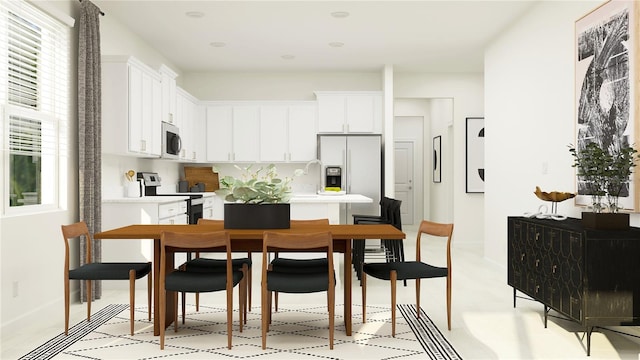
(243, 240)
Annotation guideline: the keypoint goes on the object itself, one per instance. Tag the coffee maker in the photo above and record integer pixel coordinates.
(333, 178)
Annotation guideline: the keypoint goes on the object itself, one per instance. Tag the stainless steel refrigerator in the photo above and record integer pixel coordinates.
(360, 157)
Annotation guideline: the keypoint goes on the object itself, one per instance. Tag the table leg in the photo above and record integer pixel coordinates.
(347, 287)
(156, 290)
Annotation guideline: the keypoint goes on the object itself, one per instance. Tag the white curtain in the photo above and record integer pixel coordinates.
(89, 131)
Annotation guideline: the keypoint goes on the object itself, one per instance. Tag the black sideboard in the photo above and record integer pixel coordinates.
(589, 276)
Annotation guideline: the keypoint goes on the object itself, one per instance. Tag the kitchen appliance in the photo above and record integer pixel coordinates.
(150, 181)
(333, 178)
(171, 142)
(359, 158)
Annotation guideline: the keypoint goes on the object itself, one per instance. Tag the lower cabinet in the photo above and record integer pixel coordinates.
(591, 277)
(145, 210)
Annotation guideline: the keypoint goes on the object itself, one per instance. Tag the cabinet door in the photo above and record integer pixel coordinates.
(331, 113)
(199, 133)
(136, 141)
(273, 133)
(219, 130)
(246, 133)
(151, 108)
(302, 133)
(360, 113)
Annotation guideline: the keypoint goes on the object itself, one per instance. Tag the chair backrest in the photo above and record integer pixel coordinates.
(73, 231)
(203, 221)
(435, 229)
(171, 241)
(277, 241)
(395, 215)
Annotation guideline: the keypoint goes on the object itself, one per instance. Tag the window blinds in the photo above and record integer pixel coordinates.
(34, 65)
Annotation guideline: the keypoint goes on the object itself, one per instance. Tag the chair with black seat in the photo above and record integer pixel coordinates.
(196, 282)
(297, 282)
(91, 271)
(407, 270)
(288, 264)
(390, 214)
(207, 264)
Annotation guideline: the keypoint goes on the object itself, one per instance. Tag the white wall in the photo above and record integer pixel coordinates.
(466, 90)
(529, 117)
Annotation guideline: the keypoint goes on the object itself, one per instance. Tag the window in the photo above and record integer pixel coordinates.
(34, 95)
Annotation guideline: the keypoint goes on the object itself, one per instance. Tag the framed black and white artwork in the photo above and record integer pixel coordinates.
(607, 85)
(437, 159)
(475, 155)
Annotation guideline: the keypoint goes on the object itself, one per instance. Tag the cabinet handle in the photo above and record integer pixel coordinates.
(537, 288)
(553, 269)
(537, 236)
(537, 262)
(170, 118)
(522, 257)
(172, 221)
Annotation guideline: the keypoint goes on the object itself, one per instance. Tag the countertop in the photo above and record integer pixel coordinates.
(146, 199)
(328, 199)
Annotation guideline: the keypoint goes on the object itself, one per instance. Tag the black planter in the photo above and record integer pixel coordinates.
(605, 221)
(257, 216)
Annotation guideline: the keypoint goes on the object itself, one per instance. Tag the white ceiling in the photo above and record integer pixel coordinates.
(417, 36)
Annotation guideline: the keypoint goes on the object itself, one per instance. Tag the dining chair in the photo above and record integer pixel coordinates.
(297, 282)
(92, 271)
(206, 264)
(192, 281)
(389, 214)
(407, 270)
(288, 264)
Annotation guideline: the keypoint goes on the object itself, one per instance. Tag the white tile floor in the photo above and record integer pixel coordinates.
(484, 326)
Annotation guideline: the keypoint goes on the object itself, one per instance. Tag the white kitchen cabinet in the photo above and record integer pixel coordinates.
(303, 129)
(219, 130)
(207, 207)
(169, 92)
(188, 125)
(131, 106)
(258, 131)
(144, 210)
(288, 132)
(349, 112)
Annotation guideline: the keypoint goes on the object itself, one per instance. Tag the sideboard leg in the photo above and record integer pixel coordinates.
(546, 312)
(514, 297)
(589, 331)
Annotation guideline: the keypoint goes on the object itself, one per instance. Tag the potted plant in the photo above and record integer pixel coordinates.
(604, 173)
(256, 199)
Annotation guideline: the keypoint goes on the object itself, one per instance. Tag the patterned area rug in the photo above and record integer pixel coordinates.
(295, 333)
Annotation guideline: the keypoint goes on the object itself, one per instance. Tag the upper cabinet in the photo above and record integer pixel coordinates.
(189, 120)
(349, 112)
(131, 107)
(169, 94)
(256, 131)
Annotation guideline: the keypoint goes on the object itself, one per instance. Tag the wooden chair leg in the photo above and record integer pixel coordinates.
(265, 311)
(149, 292)
(175, 311)
(394, 278)
(163, 316)
(418, 298)
(246, 281)
(230, 317)
(275, 300)
(132, 298)
(184, 306)
(332, 310)
(363, 285)
(242, 299)
(89, 297)
(197, 301)
(66, 307)
(449, 302)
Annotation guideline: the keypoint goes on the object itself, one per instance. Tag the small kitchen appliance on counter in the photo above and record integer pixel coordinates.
(333, 179)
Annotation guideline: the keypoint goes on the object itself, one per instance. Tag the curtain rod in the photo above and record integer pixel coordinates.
(101, 13)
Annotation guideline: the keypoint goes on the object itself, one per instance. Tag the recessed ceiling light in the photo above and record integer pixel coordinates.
(340, 14)
(194, 14)
(336, 44)
(288, 57)
(218, 44)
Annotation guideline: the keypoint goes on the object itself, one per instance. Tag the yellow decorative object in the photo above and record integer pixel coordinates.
(554, 196)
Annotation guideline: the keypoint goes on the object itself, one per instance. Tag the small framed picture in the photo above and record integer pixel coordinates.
(437, 159)
(475, 155)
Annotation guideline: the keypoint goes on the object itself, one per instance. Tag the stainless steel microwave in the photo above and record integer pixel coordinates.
(171, 142)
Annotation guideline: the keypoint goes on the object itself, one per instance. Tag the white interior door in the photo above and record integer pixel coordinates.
(404, 186)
